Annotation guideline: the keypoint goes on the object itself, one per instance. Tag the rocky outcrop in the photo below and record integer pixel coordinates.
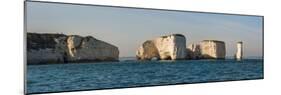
(171, 47)
(193, 51)
(239, 52)
(59, 48)
(89, 48)
(147, 51)
(212, 49)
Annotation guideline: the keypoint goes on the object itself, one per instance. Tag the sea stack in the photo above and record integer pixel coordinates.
(170, 47)
(60, 48)
(212, 49)
(193, 51)
(239, 52)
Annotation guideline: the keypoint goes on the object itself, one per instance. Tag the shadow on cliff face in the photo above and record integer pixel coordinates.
(45, 40)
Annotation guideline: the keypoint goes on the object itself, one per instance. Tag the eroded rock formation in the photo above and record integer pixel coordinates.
(212, 49)
(59, 48)
(239, 52)
(193, 51)
(171, 47)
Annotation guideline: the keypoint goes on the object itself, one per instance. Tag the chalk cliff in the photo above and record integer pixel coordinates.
(171, 47)
(212, 49)
(59, 48)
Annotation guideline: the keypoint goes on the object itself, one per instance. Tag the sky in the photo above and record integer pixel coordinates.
(128, 28)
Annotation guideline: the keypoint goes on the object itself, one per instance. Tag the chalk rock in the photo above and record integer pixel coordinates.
(193, 51)
(59, 48)
(171, 47)
(147, 51)
(239, 52)
(212, 49)
(90, 49)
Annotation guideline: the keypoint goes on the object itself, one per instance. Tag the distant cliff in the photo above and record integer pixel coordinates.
(60, 48)
(171, 47)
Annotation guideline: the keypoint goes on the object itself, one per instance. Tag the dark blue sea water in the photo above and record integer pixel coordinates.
(85, 76)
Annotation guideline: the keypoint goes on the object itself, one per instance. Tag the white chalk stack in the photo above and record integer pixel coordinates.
(239, 52)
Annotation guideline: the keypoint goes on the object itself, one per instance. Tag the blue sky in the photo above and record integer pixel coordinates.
(129, 28)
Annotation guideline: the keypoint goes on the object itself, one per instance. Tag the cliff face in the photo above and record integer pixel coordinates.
(212, 49)
(59, 48)
(165, 48)
(147, 51)
(89, 48)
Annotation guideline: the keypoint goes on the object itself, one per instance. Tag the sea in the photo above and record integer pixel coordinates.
(133, 73)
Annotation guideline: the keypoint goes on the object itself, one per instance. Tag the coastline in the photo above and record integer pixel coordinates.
(133, 59)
